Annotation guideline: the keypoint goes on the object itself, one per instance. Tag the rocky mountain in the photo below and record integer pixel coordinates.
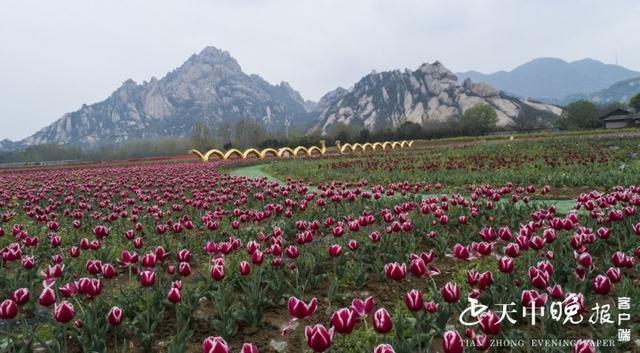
(430, 94)
(554, 79)
(209, 87)
(618, 92)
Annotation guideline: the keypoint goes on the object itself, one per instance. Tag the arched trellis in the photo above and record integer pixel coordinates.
(301, 150)
(261, 154)
(357, 147)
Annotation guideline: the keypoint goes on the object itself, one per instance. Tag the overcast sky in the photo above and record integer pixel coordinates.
(57, 55)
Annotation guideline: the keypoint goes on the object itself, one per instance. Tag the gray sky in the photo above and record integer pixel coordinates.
(57, 55)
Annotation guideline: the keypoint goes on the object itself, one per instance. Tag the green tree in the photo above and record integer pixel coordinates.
(409, 130)
(581, 114)
(479, 119)
(634, 102)
(364, 135)
(201, 137)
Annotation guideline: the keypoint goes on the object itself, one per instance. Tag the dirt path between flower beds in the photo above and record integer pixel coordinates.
(257, 171)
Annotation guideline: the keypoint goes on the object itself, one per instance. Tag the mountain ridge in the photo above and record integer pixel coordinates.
(553, 79)
(211, 87)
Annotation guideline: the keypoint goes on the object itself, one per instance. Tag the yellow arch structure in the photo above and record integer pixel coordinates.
(281, 151)
(266, 151)
(300, 148)
(284, 151)
(250, 151)
(232, 152)
(216, 152)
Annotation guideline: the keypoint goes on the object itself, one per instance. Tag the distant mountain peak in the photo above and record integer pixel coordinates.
(428, 95)
(209, 87)
(549, 78)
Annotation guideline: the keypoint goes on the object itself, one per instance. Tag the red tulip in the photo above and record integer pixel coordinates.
(636, 228)
(382, 321)
(184, 255)
(147, 278)
(8, 309)
(383, 348)
(584, 346)
(362, 307)
(529, 298)
(108, 271)
(318, 337)
(300, 310)
(64, 312)
(556, 291)
(184, 269)
(245, 268)
(214, 345)
(21, 296)
(174, 295)
(489, 323)
(602, 285)
(539, 278)
(90, 287)
(115, 316)
(450, 292)
(505, 264)
(417, 267)
(452, 342)
(485, 280)
(481, 342)
(217, 272)
(395, 271)
(614, 274)
(292, 252)
(249, 348)
(47, 297)
(414, 300)
(335, 250)
(431, 307)
(344, 320)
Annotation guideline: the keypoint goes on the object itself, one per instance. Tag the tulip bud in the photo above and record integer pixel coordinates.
(214, 345)
(115, 316)
(382, 321)
(395, 271)
(245, 268)
(47, 297)
(21, 296)
(505, 264)
(174, 295)
(452, 342)
(414, 300)
(383, 348)
(8, 309)
(344, 320)
(217, 272)
(450, 292)
(249, 348)
(147, 278)
(602, 285)
(584, 346)
(64, 312)
(318, 337)
(300, 310)
(489, 323)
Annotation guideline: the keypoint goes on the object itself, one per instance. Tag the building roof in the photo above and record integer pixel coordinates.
(616, 113)
(622, 117)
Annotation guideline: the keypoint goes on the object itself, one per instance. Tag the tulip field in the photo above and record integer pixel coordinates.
(451, 249)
